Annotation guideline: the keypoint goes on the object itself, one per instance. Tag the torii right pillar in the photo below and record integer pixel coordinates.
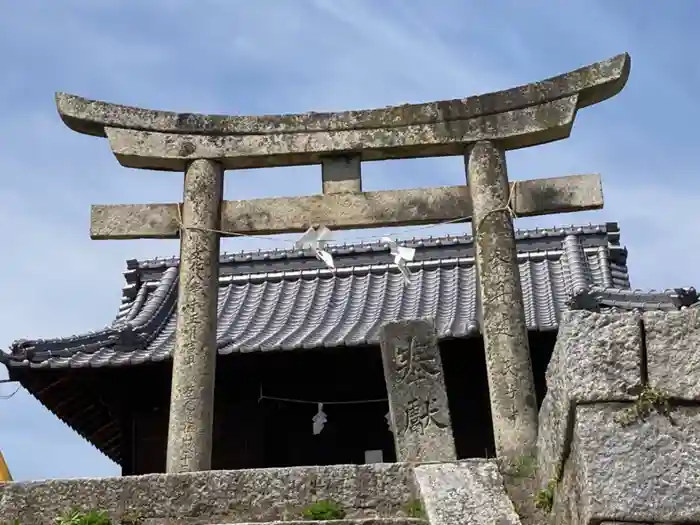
(502, 320)
(503, 324)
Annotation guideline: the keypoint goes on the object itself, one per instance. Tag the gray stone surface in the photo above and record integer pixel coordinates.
(648, 471)
(366, 521)
(194, 359)
(364, 491)
(593, 84)
(342, 174)
(597, 357)
(514, 129)
(465, 493)
(415, 382)
(511, 383)
(673, 352)
(348, 210)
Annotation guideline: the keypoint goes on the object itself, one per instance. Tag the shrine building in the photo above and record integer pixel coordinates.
(293, 333)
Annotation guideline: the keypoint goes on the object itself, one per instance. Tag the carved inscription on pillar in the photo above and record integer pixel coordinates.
(418, 408)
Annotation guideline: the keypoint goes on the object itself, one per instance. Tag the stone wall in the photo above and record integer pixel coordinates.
(619, 429)
(260, 495)
(450, 493)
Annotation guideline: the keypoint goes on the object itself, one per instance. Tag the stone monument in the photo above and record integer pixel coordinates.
(417, 396)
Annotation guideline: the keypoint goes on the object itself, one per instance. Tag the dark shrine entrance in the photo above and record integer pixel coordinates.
(350, 384)
(266, 402)
(464, 362)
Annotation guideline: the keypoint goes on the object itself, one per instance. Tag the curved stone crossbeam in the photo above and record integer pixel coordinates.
(523, 116)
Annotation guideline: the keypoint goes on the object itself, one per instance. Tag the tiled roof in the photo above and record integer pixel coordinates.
(284, 300)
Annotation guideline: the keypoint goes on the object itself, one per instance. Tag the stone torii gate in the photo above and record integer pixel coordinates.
(481, 128)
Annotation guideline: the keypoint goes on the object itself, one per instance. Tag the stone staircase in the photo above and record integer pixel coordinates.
(380, 494)
(360, 521)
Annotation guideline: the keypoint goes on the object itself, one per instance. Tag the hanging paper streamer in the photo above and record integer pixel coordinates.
(319, 420)
(401, 254)
(316, 240)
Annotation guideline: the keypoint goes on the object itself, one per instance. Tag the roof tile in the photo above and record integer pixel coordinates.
(286, 300)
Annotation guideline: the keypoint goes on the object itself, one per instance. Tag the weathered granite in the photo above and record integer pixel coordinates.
(194, 358)
(597, 358)
(503, 325)
(370, 209)
(365, 521)
(673, 352)
(593, 84)
(418, 405)
(364, 491)
(514, 129)
(466, 492)
(341, 174)
(647, 471)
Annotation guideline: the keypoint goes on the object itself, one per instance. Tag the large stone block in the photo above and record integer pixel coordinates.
(360, 521)
(644, 472)
(673, 352)
(377, 490)
(466, 492)
(622, 523)
(597, 357)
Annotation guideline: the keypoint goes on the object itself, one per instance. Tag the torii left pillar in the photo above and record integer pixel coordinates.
(190, 426)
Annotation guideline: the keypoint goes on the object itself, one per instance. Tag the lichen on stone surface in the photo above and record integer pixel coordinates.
(650, 401)
(324, 510)
(544, 499)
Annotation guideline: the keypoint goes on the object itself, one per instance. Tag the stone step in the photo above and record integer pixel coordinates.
(361, 521)
(469, 491)
(381, 490)
(365, 521)
(200, 521)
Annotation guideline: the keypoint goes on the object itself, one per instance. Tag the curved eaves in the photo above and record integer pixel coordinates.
(134, 333)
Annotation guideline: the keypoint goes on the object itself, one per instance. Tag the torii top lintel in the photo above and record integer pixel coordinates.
(523, 116)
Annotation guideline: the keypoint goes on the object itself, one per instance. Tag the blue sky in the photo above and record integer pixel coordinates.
(287, 56)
